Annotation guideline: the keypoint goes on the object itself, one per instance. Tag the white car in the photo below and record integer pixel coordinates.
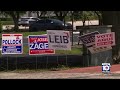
(26, 21)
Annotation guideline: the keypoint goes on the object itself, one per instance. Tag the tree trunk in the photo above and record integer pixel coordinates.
(29, 14)
(99, 18)
(60, 15)
(100, 21)
(16, 24)
(61, 18)
(83, 21)
(37, 12)
(113, 18)
(15, 19)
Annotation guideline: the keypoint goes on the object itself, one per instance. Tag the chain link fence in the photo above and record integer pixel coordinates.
(39, 62)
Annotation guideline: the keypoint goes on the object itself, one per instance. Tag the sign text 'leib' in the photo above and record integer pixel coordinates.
(59, 40)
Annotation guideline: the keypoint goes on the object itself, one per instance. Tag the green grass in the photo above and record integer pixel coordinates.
(74, 50)
(25, 34)
(7, 22)
(33, 33)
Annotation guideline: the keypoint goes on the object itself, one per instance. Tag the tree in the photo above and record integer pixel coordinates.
(0, 27)
(61, 14)
(40, 13)
(72, 18)
(113, 18)
(15, 16)
(83, 16)
(99, 14)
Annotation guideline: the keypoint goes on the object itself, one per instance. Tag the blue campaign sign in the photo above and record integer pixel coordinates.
(88, 39)
(38, 44)
(12, 44)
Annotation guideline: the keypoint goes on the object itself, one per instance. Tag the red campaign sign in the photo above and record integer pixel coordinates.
(38, 44)
(41, 51)
(11, 35)
(106, 39)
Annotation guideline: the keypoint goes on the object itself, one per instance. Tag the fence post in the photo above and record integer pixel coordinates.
(66, 60)
(16, 62)
(57, 60)
(47, 62)
(36, 62)
(7, 63)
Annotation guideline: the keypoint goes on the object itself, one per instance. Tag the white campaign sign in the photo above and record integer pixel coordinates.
(99, 49)
(89, 41)
(106, 39)
(12, 43)
(59, 40)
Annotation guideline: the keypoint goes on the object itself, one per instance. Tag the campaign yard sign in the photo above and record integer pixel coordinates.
(105, 39)
(59, 40)
(12, 43)
(38, 45)
(89, 38)
(89, 41)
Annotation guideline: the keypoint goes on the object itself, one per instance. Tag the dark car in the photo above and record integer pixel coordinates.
(49, 24)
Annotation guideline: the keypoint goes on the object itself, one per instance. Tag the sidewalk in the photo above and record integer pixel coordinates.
(93, 69)
(77, 73)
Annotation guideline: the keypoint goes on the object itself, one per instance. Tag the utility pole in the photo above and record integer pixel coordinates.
(72, 25)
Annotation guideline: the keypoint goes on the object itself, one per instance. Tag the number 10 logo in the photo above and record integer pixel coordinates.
(106, 67)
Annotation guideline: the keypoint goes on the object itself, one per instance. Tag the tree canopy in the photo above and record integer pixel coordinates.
(15, 15)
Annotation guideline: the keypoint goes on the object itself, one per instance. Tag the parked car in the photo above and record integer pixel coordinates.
(49, 24)
(26, 21)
